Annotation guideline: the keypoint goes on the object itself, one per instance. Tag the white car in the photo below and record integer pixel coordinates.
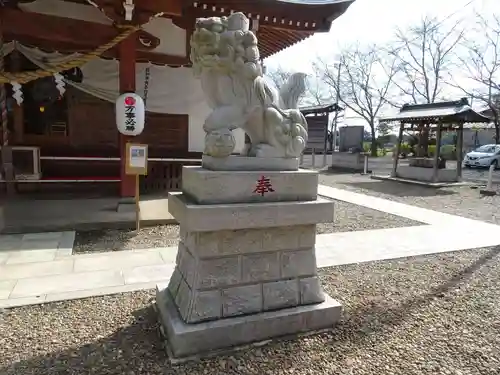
(483, 156)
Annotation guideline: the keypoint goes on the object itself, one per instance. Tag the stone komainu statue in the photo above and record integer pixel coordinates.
(226, 58)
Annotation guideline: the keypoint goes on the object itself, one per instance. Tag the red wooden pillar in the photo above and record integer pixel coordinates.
(127, 84)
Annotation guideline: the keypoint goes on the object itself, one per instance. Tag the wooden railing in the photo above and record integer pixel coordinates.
(164, 174)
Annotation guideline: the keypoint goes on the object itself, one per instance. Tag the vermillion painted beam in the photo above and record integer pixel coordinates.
(127, 84)
(167, 7)
(65, 35)
(81, 35)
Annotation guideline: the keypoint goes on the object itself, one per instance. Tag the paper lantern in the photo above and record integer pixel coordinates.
(130, 113)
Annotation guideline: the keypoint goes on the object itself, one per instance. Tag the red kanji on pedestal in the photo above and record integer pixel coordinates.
(263, 186)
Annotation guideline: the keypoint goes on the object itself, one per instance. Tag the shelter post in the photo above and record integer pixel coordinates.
(435, 165)
(398, 147)
(127, 50)
(325, 145)
(458, 150)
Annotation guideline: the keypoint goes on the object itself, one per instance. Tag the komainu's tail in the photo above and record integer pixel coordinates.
(292, 90)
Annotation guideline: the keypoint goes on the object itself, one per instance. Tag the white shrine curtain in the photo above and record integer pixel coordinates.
(171, 90)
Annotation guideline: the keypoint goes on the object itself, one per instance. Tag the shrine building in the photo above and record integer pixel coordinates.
(61, 125)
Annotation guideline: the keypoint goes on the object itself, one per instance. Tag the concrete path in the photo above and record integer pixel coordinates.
(54, 275)
(52, 215)
(34, 247)
(415, 213)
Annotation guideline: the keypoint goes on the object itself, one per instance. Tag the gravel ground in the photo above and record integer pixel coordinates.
(435, 314)
(121, 239)
(348, 217)
(461, 201)
(351, 217)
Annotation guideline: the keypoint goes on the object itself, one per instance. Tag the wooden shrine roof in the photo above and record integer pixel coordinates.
(278, 23)
(282, 23)
(451, 112)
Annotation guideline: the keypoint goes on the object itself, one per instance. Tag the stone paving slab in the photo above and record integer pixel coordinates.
(3, 257)
(146, 274)
(36, 286)
(21, 271)
(54, 297)
(6, 287)
(25, 301)
(31, 256)
(422, 215)
(119, 259)
(35, 247)
(169, 254)
(382, 244)
(9, 242)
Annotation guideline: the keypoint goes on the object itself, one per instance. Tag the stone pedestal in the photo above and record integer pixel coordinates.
(246, 267)
(426, 174)
(349, 161)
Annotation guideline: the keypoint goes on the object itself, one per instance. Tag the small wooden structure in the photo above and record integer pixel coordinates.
(447, 116)
(317, 122)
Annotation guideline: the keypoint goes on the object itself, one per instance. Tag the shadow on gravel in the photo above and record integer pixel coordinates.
(338, 172)
(377, 318)
(103, 239)
(400, 189)
(135, 349)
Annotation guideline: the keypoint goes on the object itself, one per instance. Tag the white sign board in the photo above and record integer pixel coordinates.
(138, 156)
(130, 114)
(137, 159)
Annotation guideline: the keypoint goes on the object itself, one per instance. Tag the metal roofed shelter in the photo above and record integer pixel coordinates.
(441, 116)
(320, 109)
(317, 121)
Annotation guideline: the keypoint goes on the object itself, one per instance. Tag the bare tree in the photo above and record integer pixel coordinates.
(481, 62)
(315, 91)
(363, 85)
(424, 53)
(278, 76)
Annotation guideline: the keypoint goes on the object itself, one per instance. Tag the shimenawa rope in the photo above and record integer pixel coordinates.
(28, 76)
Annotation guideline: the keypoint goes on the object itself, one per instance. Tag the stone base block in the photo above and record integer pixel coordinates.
(215, 288)
(203, 218)
(202, 339)
(421, 162)
(245, 163)
(426, 174)
(348, 161)
(126, 205)
(204, 186)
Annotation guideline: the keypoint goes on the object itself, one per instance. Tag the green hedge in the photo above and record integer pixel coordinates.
(449, 152)
(431, 150)
(404, 148)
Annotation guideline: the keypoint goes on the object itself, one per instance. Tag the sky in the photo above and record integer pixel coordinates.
(374, 21)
